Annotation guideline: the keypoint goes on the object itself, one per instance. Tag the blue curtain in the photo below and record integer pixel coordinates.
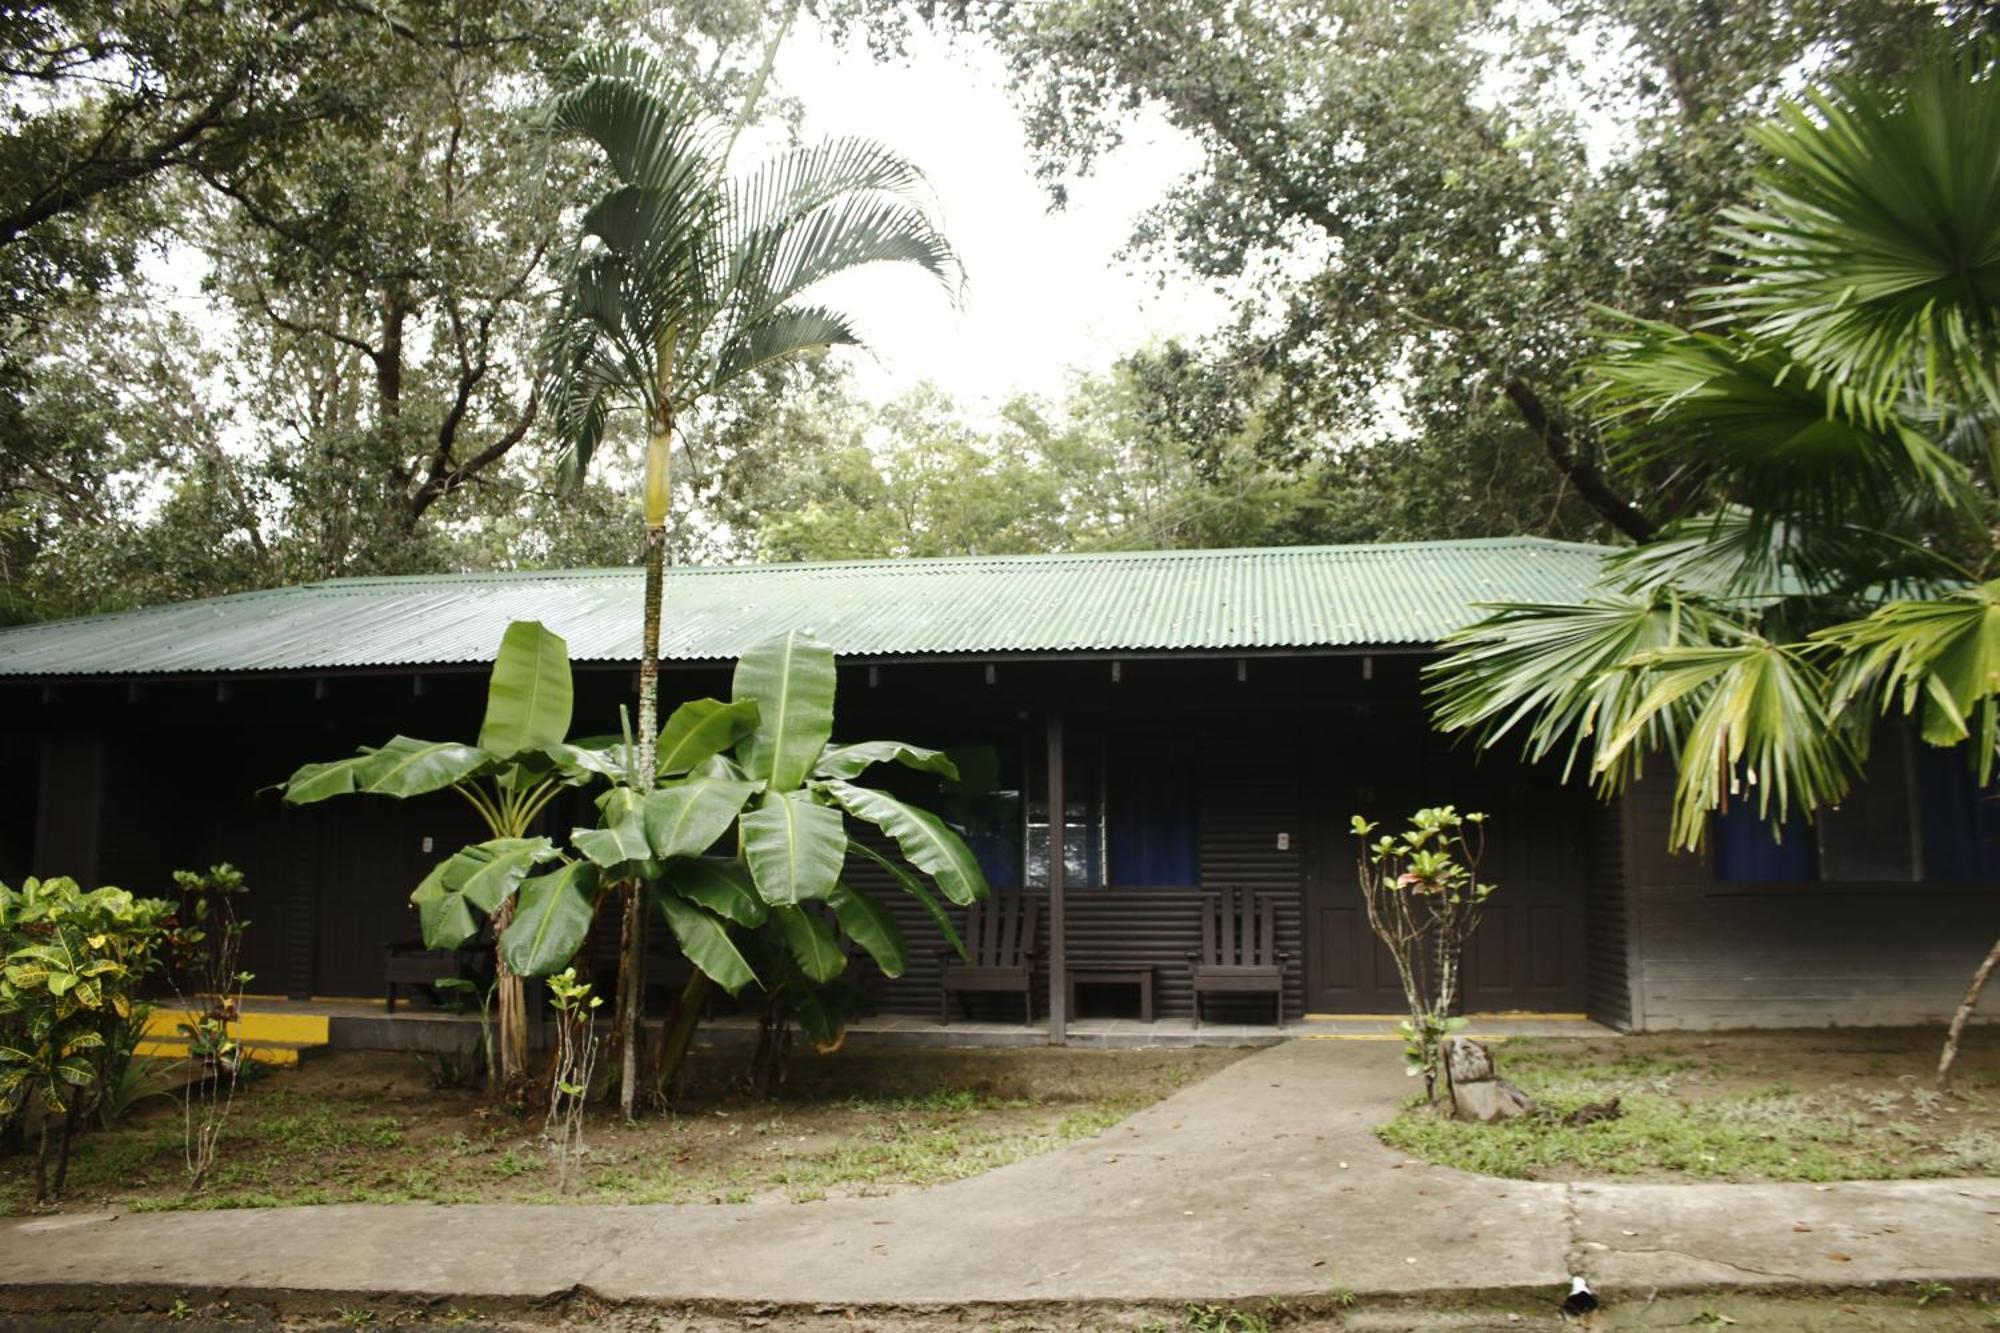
(1961, 823)
(984, 805)
(1151, 798)
(1746, 854)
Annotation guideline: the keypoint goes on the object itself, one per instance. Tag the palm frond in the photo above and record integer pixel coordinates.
(778, 265)
(1753, 562)
(1784, 442)
(1938, 660)
(590, 358)
(780, 334)
(1560, 673)
(1872, 247)
(1756, 718)
(650, 126)
(661, 243)
(797, 182)
(688, 282)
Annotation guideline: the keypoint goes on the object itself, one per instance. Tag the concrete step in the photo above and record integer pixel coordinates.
(268, 1038)
(283, 1054)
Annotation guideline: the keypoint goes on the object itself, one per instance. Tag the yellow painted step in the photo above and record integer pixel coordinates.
(281, 1054)
(253, 1026)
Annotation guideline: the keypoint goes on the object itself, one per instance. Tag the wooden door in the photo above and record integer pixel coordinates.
(1368, 767)
(1529, 950)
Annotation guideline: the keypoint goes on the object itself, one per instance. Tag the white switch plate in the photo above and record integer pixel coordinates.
(1284, 842)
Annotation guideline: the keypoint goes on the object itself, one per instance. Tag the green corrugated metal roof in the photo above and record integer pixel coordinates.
(1141, 601)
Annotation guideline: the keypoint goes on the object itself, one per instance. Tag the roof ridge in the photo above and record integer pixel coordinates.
(888, 563)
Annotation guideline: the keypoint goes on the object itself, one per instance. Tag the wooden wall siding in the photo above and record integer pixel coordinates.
(69, 814)
(1240, 818)
(1607, 935)
(1251, 796)
(1787, 955)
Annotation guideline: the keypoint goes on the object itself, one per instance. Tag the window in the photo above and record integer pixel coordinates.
(1153, 810)
(1129, 810)
(1871, 836)
(1960, 823)
(1747, 853)
(984, 805)
(1915, 816)
(1083, 813)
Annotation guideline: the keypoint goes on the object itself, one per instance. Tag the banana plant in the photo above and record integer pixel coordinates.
(762, 779)
(521, 761)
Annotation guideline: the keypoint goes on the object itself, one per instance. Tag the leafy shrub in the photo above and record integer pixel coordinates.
(71, 964)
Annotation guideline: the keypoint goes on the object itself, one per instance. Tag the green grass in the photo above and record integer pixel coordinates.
(290, 1145)
(945, 1142)
(1673, 1126)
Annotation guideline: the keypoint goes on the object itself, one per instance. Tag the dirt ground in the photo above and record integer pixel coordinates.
(374, 1127)
(1917, 1310)
(1829, 1104)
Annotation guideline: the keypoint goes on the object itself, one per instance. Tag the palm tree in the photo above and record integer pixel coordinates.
(687, 280)
(1843, 392)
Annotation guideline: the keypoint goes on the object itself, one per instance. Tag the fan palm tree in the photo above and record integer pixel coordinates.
(686, 280)
(1843, 392)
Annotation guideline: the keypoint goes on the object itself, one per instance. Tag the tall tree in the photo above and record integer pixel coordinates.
(1417, 204)
(375, 272)
(686, 282)
(1846, 412)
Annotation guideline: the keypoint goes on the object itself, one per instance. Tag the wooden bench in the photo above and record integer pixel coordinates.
(1136, 974)
(999, 939)
(1239, 954)
(410, 965)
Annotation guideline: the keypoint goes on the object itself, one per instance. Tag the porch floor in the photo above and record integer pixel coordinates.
(362, 1024)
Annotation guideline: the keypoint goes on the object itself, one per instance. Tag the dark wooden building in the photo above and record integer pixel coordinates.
(1213, 720)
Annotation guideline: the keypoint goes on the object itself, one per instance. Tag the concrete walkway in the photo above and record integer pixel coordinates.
(1262, 1180)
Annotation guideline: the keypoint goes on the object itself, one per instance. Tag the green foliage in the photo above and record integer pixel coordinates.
(1846, 417)
(529, 696)
(551, 921)
(374, 218)
(71, 966)
(1412, 209)
(774, 912)
(521, 764)
(696, 280)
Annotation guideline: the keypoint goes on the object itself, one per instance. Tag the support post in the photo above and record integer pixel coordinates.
(1058, 981)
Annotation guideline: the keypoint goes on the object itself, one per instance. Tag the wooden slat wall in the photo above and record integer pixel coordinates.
(1240, 820)
(1607, 934)
(1786, 955)
(1251, 797)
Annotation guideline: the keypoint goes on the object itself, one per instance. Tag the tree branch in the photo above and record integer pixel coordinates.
(1582, 473)
(438, 485)
(98, 174)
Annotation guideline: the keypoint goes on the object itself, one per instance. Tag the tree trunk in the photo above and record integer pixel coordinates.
(70, 1120)
(1965, 1008)
(632, 935)
(511, 1049)
(678, 1035)
(42, 1162)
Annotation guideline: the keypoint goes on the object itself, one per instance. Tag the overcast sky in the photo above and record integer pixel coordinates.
(1046, 291)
